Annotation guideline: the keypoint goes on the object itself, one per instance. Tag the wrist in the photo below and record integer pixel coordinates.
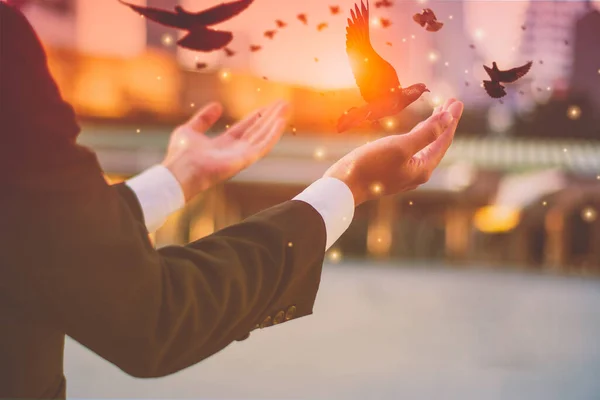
(189, 181)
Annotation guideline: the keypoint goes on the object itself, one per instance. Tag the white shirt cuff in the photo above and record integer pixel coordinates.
(159, 194)
(334, 201)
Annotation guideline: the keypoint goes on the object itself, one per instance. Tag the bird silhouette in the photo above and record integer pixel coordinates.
(334, 10)
(255, 48)
(493, 87)
(270, 34)
(302, 18)
(322, 26)
(280, 23)
(385, 22)
(427, 19)
(388, 43)
(199, 37)
(201, 65)
(383, 3)
(376, 78)
(228, 52)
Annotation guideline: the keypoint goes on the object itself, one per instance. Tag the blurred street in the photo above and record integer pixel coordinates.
(385, 332)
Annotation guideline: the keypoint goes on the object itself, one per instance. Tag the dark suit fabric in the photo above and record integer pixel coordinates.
(75, 259)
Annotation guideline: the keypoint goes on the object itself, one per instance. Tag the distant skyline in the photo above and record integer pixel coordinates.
(493, 26)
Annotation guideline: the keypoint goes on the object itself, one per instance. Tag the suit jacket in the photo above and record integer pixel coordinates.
(75, 259)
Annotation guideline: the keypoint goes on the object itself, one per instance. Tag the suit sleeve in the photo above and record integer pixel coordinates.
(153, 313)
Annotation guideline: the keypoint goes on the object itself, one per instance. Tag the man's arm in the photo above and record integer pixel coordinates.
(151, 312)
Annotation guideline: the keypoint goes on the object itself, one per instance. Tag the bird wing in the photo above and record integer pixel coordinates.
(163, 17)
(512, 75)
(419, 19)
(490, 72)
(374, 76)
(206, 40)
(429, 14)
(221, 13)
(494, 89)
(434, 26)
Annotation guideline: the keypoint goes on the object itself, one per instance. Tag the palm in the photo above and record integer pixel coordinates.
(210, 160)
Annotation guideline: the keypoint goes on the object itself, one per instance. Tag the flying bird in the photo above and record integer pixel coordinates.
(385, 22)
(376, 78)
(388, 43)
(255, 48)
(493, 87)
(472, 46)
(280, 23)
(428, 20)
(302, 18)
(201, 65)
(229, 52)
(270, 34)
(383, 3)
(322, 26)
(199, 36)
(334, 10)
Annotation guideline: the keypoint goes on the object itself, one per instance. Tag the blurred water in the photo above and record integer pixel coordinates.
(408, 333)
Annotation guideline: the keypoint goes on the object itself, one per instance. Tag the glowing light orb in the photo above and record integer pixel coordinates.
(565, 150)
(412, 36)
(166, 39)
(319, 153)
(294, 129)
(290, 244)
(466, 71)
(138, 130)
(158, 77)
(389, 123)
(366, 59)
(436, 101)
(192, 105)
(410, 203)
(479, 34)
(544, 203)
(182, 142)
(258, 89)
(227, 126)
(334, 256)
(450, 16)
(548, 88)
(376, 188)
(446, 63)
(404, 40)
(598, 177)
(375, 22)
(225, 75)
(589, 214)
(574, 112)
(433, 56)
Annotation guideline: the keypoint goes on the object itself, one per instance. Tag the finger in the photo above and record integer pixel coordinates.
(264, 125)
(205, 118)
(432, 128)
(448, 103)
(268, 140)
(238, 129)
(432, 155)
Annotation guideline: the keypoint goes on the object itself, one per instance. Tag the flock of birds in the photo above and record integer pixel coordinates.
(375, 77)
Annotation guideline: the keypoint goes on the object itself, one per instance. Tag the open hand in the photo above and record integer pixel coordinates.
(199, 162)
(399, 163)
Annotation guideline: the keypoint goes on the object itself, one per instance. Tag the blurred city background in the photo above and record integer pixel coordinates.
(481, 284)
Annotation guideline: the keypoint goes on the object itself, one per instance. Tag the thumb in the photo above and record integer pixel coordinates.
(427, 132)
(206, 117)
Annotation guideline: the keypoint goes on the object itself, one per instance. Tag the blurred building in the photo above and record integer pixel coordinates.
(585, 79)
(548, 39)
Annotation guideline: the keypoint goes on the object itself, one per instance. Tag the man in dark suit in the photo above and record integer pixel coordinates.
(75, 258)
